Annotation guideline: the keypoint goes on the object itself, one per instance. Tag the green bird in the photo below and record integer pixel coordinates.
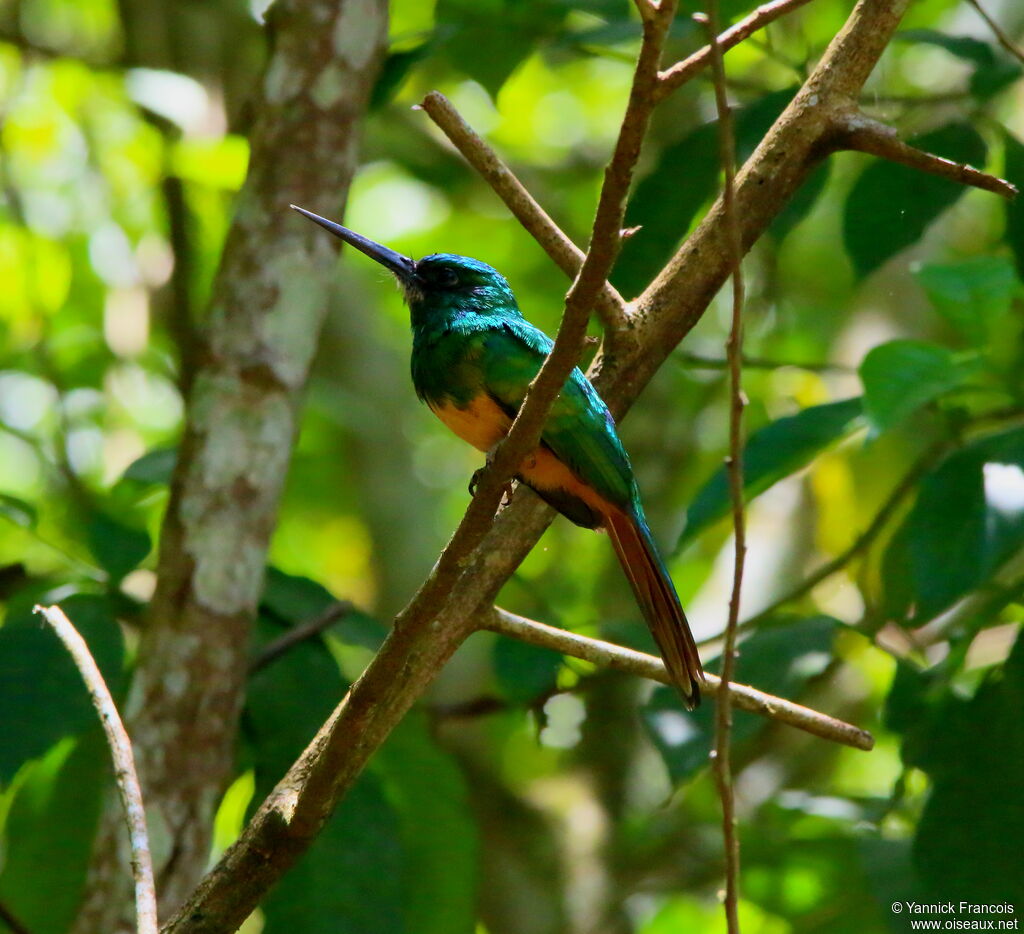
(473, 357)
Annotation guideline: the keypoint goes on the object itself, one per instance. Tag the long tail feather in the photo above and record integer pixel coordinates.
(656, 595)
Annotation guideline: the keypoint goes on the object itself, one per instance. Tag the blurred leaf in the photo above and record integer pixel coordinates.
(438, 830)
(966, 47)
(297, 600)
(901, 376)
(773, 452)
(487, 40)
(968, 519)
(968, 838)
(49, 833)
(525, 672)
(891, 205)
(970, 294)
(17, 511)
(667, 200)
(117, 547)
(155, 466)
(1015, 208)
(779, 659)
(350, 880)
(394, 71)
(218, 162)
(42, 695)
(992, 70)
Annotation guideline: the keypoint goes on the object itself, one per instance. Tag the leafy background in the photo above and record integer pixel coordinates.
(531, 793)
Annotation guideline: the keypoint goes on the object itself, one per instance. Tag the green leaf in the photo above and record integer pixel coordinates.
(154, 467)
(992, 70)
(1015, 208)
(42, 695)
(773, 452)
(968, 838)
(967, 520)
(891, 205)
(18, 511)
(298, 599)
(903, 375)
(667, 200)
(118, 548)
(970, 294)
(487, 40)
(350, 880)
(525, 672)
(779, 659)
(49, 833)
(438, 831)
(394, 71)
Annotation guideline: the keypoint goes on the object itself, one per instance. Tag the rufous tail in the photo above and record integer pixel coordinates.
(656, 595)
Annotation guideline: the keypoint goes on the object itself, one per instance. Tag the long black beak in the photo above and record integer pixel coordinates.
(401, 266)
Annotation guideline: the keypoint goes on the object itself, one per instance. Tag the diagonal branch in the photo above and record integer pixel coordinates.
(124, 764)
(438, 619)
(857, 131)
(647, 666)
(1004, 40)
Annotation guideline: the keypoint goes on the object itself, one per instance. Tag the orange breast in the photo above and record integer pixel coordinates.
(482, 423)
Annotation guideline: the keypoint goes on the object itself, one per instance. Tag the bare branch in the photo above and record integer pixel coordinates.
(681, 72)
(857, 131)
(537, 222)
(124, 764)
(1004, 40)
(722, 759)
(647, 666)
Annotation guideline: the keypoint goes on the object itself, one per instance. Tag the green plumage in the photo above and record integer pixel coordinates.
(474, 357)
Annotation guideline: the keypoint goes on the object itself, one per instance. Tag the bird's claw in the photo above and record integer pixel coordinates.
(507, 491)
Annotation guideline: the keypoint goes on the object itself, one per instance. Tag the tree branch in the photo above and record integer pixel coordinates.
(427, 633)
(857, 131)
(681, 72)
(535, 220)
(124, 764)
(632, 662)
(721, 756)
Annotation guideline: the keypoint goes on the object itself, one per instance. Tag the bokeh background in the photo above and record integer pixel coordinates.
(531, 793)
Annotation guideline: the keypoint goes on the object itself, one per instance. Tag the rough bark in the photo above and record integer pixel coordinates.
(263, 325)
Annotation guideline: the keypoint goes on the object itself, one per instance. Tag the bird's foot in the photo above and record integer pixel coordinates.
(474, 482)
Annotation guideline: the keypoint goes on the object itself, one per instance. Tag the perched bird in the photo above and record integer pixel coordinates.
(473, 357)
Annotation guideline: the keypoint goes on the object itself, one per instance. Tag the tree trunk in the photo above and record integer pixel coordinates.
(268, 303)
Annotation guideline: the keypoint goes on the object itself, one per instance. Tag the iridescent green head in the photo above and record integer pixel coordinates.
(438, 286)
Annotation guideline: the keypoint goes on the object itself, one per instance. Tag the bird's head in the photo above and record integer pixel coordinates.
(439, 284)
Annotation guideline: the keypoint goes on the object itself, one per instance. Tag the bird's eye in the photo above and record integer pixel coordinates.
(447, 277)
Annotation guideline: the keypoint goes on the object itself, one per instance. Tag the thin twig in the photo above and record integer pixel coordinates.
(681, 72)
(620, 658)
(124, 765)
(856, 130)
(1004, 40)
(537, 222)
(734, 466)
(307, 630)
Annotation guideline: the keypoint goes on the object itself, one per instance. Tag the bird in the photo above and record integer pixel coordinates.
(473, 357)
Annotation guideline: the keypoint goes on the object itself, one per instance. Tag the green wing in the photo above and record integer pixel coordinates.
(580, 430)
